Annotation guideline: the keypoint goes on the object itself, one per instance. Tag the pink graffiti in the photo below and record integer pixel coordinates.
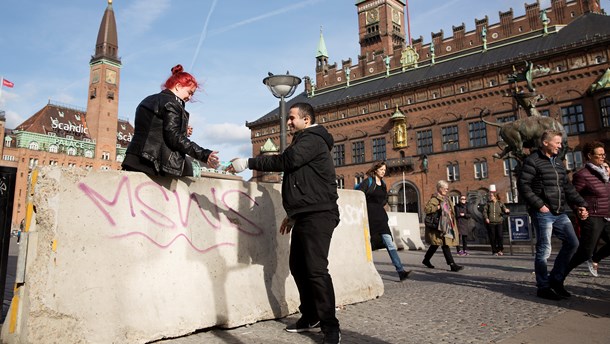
(189, 241)
(149, 209)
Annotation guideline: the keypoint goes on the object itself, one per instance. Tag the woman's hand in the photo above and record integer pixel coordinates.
(213, 160)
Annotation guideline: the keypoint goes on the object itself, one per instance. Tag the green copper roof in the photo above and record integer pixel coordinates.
(269, 146)
(397, 114)
(321, 46)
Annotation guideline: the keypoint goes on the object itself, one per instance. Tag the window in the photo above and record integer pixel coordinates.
(358, 152)
(359, 179)
(34, 145)
(71, 164)
(379, 147)
(480, 169)
(477, 134)
(604, 107)
(120, 158)
(71, 151)
(449, 136)
(453, 171)
(105, 156)
(509, 162)
(7, 141)
(88, 153)
(454, 196)
(340, 182)
(424, 142)
(545, 113)
(53, 148)
(510, 198)
(339, 155)
(573, 119)
(573, 160)
(33, 163)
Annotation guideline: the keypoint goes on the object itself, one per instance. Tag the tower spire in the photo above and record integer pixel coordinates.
(321, 46)
(107, 45)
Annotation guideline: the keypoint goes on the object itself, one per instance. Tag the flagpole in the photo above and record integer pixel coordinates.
(404, 192)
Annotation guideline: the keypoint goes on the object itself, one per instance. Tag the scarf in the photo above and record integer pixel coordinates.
(446, 224)
(600, 171)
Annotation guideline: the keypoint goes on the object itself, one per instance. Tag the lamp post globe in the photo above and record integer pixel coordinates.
(282, 87)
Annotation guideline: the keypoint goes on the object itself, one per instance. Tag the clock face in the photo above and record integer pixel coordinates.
(396, 16)
(95, 77)
(372, 16)
(111, 76)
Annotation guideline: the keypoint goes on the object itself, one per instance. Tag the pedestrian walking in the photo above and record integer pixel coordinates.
(444, 231)
(376, 194)
(543, 185)
(493, 213)
(464, 225)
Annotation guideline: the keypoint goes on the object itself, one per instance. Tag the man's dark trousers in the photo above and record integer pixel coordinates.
(310, 243)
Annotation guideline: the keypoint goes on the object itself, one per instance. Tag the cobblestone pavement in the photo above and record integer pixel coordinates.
(492, 299)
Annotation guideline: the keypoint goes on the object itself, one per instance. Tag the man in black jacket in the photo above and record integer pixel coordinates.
(309, 196)
(544, 186)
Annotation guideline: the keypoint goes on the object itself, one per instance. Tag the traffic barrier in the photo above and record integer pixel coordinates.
(119, 257)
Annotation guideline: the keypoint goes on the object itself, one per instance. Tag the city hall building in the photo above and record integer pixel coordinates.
(64, 135)
(419, 106)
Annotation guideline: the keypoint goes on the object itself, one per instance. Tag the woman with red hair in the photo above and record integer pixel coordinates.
(160, 140)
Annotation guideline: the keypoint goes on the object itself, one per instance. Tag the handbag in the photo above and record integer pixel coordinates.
(431, 220)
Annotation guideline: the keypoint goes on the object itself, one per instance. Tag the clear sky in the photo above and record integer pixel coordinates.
(229, 45)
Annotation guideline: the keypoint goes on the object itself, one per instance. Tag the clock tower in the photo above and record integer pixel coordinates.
(381, 26)
(103, 97)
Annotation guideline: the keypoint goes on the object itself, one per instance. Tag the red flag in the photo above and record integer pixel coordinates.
(7, 83)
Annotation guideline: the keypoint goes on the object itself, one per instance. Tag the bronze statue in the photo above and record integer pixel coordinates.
(525, 133)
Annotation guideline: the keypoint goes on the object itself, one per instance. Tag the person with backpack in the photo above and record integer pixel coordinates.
(376, 194)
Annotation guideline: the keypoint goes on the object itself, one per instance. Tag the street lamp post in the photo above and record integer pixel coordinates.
(282, 86)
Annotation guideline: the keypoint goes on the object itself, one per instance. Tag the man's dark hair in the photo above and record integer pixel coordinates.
(589, 148)
(305, 110)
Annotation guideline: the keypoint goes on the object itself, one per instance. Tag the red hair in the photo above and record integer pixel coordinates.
(179, 76)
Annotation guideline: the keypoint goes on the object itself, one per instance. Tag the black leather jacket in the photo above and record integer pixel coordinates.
(309, 183)
(160, 139)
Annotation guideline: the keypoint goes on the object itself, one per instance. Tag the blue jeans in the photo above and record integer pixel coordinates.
(389, 245)
(547, 224)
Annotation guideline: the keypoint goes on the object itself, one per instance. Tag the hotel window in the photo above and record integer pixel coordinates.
(120, 157)
(480, 169)
(573, 160)
(105, 156)
(88, 153)
(34, 145)
(477, 133)
(379, 149)
(453, 171)
(604, 107)
(53, 149)
(33, 163)
(358, 152)
(449, 135)
(573, 119)
(339, 155)
(71, 151)
(424, 141)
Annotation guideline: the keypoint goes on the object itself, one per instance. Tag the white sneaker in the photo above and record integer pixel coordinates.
(592, 268)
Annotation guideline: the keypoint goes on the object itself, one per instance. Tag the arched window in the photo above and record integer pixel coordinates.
(71, 151)
(34, 145)
(53, 148)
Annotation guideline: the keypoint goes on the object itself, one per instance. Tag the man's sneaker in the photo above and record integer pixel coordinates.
(303, 325)
(461, 253)
(560, 290)
(403, 275)
(548, 293)
(332, 337)
(592, 268)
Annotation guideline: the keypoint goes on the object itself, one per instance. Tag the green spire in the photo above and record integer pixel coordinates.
(321, 46)
(269, 146)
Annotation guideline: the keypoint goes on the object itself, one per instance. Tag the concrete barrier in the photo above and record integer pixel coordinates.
(118, 257)
(405, 229)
